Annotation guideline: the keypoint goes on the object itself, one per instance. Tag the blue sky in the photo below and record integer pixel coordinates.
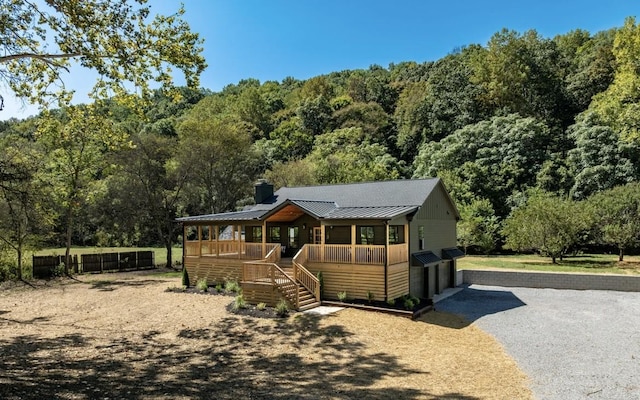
(273, 39)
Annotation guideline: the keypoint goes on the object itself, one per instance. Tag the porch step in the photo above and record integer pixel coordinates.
(309, 306)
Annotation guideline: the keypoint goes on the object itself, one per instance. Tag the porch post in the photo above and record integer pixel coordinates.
(184, 241)
(386, 260)
(200, 240)
(217, 240)
(407, 244)
(353, 243)
(239, 245)
(322, 230)
(264, 238)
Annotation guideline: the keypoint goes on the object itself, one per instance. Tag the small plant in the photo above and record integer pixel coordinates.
(282, 308)
(342, 296)
(231, 287)
(239, 302)
(261, 306)
(415, 300)
(370, 296)
(202, 285)
(391, 302)
(185, 277)
(219, 288)
(408, 303)
(57, 271)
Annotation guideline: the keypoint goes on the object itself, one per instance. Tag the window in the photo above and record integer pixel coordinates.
(421, 237)
(394, 234)
(192, 232)
(274, 234)
(204, 232)
(256, 234)
(293, 237)
(366, 235)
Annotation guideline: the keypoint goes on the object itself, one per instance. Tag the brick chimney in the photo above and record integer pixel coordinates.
(264, 190)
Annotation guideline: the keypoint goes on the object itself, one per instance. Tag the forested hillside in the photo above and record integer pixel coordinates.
(519, 117)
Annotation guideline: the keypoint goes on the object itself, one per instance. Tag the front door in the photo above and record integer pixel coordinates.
(317, 235)
(293, 242)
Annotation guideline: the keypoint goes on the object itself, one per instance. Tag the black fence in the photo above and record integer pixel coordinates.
(48, 266)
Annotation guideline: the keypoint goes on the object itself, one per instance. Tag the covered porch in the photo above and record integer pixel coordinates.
(362, 255)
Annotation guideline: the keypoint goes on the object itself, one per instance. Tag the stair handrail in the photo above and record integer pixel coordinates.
(279, 272)
(302, 275)
(273, 255)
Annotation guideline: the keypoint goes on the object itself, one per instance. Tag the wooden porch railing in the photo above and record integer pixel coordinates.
(265, 272)
(302, 275)
(346, 253)
(229, 249)
(398, 253)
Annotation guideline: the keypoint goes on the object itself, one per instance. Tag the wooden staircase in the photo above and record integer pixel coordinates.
(306, 299)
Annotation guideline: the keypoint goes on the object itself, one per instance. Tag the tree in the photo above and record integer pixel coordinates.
(478, 226)
(600, 159)
(23, 216)
(291, 174)
(76, 140)
(619, 106)
(344, 156)
(117, 39)
(222, 160)
(545, 223)
(617, 216)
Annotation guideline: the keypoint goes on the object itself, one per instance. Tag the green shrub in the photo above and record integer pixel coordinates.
(239, 302)
(219, 288)
(391, 302)
(282, 308)
(342, 296)
(185, 277)
(408, 303)
(261, 306)
(202, 285)
(370, 296)
(231, 287)
(58, 271)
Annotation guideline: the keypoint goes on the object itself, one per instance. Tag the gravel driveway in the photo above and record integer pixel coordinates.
(572, 344)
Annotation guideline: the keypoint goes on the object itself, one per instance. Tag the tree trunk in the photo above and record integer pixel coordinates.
(553, 259)
(19, 250)
(169, 248)
(621, 254)
(67, 252)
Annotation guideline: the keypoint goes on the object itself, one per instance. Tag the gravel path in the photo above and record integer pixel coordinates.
(572, 344)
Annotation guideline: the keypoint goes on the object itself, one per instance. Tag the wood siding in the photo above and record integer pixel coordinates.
(255, 293)
(398, 280)
(214, 270)
(354, 279)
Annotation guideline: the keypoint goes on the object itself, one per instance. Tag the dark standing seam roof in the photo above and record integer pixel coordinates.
(425, 258)
(452, 253)
(252, 215)
(368, 200)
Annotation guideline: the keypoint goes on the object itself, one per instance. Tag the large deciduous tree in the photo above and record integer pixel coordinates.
(122, 41)
(617, 216)
(546, 224)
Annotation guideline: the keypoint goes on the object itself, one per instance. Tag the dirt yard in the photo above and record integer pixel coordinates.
(126, 336)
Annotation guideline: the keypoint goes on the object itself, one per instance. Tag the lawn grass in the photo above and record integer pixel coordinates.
(584, 263)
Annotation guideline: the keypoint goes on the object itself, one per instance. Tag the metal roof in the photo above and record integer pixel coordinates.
(367, 200)
(318, 208)
(452, 253)
(425, 258)
(251, 215)
(370, 212)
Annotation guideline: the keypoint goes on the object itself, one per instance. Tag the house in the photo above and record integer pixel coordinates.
(381, 239)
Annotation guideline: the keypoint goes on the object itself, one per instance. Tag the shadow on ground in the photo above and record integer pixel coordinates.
(106, 285)
(472, 304)
(233, 358)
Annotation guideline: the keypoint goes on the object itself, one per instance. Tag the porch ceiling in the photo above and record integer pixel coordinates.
(287, 214)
